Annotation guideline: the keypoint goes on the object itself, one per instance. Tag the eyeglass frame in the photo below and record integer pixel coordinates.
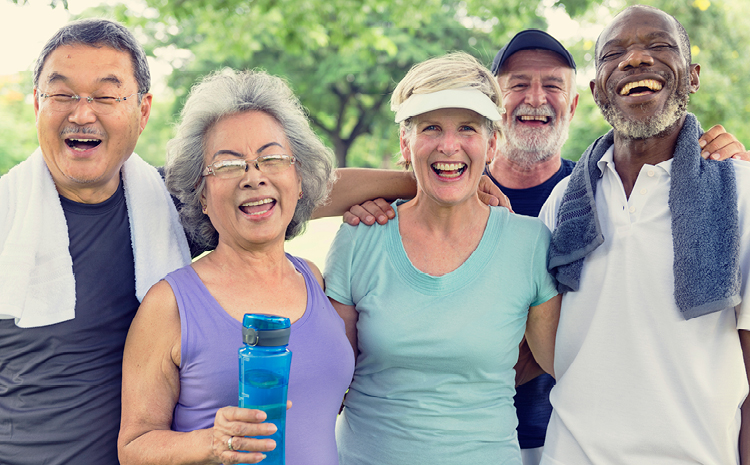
(89, 99)
(210, 169)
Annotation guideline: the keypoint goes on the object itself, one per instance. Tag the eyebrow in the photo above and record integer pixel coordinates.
(110, 79)
(649, 36)
(239, 155)
(527, 77)
(270, 144)
(227, 152)
(519, 76)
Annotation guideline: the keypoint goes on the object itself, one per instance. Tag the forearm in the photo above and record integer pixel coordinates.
(168, 447)
(744, 444)
(526, 368)
(354, 186)
(541, 331)
(745, 434)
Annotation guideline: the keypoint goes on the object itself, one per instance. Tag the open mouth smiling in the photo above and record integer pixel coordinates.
(642, 87)
(533, 119)
(449, 170)
(82, 144)
(258, 207)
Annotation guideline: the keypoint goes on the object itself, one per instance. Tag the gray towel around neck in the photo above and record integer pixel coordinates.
(705, 225)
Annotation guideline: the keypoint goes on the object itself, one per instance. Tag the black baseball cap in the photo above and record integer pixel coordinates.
(531, 39)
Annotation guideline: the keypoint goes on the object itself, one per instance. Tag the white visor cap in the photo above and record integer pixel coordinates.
(468, 98)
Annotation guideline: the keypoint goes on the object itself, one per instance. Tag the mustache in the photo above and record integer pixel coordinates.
(87, 130)
(528, 110)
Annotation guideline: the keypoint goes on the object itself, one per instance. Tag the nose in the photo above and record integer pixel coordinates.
(635, 59)
(535, 95)
(82, 113)
(253, 176)
(449, 143)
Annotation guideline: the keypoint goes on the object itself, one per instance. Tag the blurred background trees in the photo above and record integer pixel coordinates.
(344, 57)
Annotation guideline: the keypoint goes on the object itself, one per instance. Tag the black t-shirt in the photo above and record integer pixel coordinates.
(60, 384)
(532, 399)
(529, 201)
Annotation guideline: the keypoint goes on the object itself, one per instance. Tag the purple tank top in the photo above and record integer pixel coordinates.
(322, 366)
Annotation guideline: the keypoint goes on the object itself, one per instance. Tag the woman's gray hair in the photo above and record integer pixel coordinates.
(98, 32)
(229, 92)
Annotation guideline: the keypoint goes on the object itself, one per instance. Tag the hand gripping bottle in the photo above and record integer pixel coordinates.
(264, 374)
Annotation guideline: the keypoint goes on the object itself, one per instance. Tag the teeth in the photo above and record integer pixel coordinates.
(256, 203)
(448, 166)
(533, 118)
(84, 140)
(649, 83)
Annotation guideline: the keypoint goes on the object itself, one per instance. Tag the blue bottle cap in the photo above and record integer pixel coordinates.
(265, 330)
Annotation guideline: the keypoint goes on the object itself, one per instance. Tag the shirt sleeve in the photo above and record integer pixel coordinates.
(338, 269)
(548, 213)
(742, 174)
(545, 283)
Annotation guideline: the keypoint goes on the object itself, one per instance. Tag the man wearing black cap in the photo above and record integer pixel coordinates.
(537, 78)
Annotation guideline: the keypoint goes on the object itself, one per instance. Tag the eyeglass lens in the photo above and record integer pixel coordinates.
(265, 164)
(68, 102)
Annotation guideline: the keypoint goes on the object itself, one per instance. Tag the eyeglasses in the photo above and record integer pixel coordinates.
(66, 102)
(268, 164)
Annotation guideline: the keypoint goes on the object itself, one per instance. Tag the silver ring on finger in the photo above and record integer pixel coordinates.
(229, 443)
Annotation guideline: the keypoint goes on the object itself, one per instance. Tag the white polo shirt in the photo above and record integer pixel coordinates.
(636, 382)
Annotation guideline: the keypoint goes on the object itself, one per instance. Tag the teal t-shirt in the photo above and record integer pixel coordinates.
(434, 379)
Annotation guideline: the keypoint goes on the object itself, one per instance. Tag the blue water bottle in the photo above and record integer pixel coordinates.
(264, 374)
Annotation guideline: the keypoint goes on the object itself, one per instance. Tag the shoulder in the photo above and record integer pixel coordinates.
(158, 315)
(362, 235)
(742, 178)
(160, 296)
(559, 189)
(305, 267)
(156, 327)
(742, 173)
(548, 213)
(315, 272)
(523, 227)
(567, 166)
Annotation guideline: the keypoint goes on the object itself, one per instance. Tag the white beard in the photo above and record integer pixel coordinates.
(528, 146)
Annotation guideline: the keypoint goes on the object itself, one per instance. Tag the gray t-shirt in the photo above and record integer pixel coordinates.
(60, 384)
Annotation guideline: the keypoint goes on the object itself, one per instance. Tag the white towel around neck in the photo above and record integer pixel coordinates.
(37, 286)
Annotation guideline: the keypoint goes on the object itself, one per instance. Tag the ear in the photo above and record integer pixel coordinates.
(404, 142)
(145, 110)
(36, 103)
(574, 105)
(492, 147)
(203, 198)
(592, 86)
(695, 81)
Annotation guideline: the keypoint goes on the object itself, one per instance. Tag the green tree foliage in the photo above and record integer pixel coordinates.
(17, 122)
(342, 57)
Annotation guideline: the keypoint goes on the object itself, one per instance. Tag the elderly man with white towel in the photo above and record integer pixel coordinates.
(74, 219)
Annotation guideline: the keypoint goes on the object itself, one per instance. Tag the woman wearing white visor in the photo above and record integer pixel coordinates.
(437, 301)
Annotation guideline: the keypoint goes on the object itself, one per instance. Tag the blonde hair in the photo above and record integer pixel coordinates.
(454, 70)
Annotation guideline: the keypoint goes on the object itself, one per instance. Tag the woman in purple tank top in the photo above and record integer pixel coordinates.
(249, 171)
